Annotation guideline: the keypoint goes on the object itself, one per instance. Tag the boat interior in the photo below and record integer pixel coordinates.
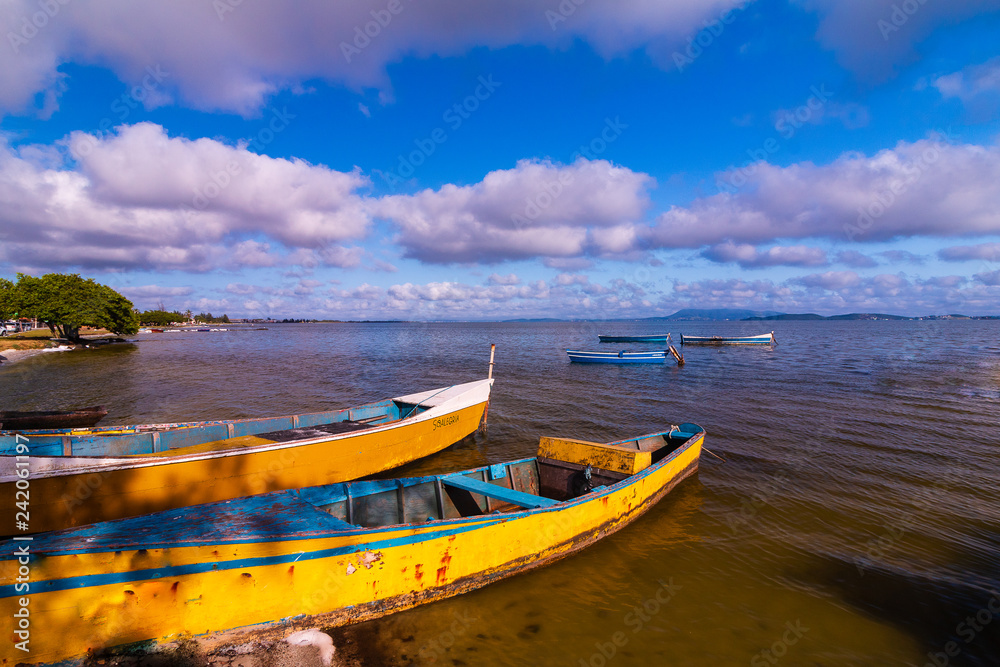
(563, 470)
(581, 467)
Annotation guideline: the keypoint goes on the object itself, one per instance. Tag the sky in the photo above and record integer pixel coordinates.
(443, 160)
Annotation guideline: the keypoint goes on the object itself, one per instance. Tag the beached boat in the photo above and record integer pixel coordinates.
(652, 338)
(333, 554)
(81, 417)
(762, 339)
(98, 475)
(624, 357)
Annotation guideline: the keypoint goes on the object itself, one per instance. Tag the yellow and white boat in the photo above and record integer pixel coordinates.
(150, 470)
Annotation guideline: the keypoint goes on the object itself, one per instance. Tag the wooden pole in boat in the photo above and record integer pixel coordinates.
(678, 356)
(489, 376)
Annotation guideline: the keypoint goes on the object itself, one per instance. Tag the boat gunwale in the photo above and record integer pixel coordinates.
(763, 338)
(429, 529)
(133, 429)
(102, 464)
(652, 354)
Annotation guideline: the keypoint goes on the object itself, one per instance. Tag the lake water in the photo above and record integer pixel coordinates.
(856, 520)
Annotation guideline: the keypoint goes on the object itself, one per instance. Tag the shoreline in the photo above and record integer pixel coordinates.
(13, 355)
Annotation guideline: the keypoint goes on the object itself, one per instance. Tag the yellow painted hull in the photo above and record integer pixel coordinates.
(76, 499)
(335, 580)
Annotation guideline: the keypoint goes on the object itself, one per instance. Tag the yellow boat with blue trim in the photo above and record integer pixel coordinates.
(265, 566)
(130, 475)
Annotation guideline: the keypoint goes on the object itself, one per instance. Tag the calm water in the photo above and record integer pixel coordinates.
(855, 522)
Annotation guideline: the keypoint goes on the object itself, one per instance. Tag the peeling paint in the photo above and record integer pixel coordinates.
(351, 569)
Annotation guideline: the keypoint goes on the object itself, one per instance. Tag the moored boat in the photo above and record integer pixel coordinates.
(762, 339)
(78, 478)
(624, 356)
(333, 554)
(54, 419)
(652, 338)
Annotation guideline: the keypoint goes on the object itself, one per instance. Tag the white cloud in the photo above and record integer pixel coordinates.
(971, 82)
(242, 289)
(874, 38)
(231, 57)
(153, 291)
(961, 253)
(535, 209)
(138, 198)
(831, 280)
(855, 259)
(509, 279)
(750, 257)
(991, 278)
(836, 292)
(925, 188)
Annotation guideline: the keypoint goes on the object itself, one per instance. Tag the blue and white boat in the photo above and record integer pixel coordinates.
(651, 338)
(623, 357)
(762, 339)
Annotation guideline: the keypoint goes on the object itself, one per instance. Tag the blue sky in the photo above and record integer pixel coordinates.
(501, 160)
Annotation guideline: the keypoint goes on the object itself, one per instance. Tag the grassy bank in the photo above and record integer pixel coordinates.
(17, 343)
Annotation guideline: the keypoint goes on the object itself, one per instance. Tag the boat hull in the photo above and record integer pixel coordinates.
(269, 589)
(74, 491)
(83, 417)
(635, 339)
(584, 357)
(763, 339)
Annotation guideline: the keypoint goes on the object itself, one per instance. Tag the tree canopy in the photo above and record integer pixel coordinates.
(6, 299)
(208, 318)
(160, 317)
(67, 302)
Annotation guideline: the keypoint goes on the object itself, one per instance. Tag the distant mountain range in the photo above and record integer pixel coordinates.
(865, 316)
(746, 315)
(716, 314)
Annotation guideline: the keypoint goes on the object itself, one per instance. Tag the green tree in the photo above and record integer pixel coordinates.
(159, 318)
(67, 302)
(6, 299)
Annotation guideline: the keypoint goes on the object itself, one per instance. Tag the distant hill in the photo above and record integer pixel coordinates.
(814, 316)
(714, 314)
(787, 316)
(537, 319)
